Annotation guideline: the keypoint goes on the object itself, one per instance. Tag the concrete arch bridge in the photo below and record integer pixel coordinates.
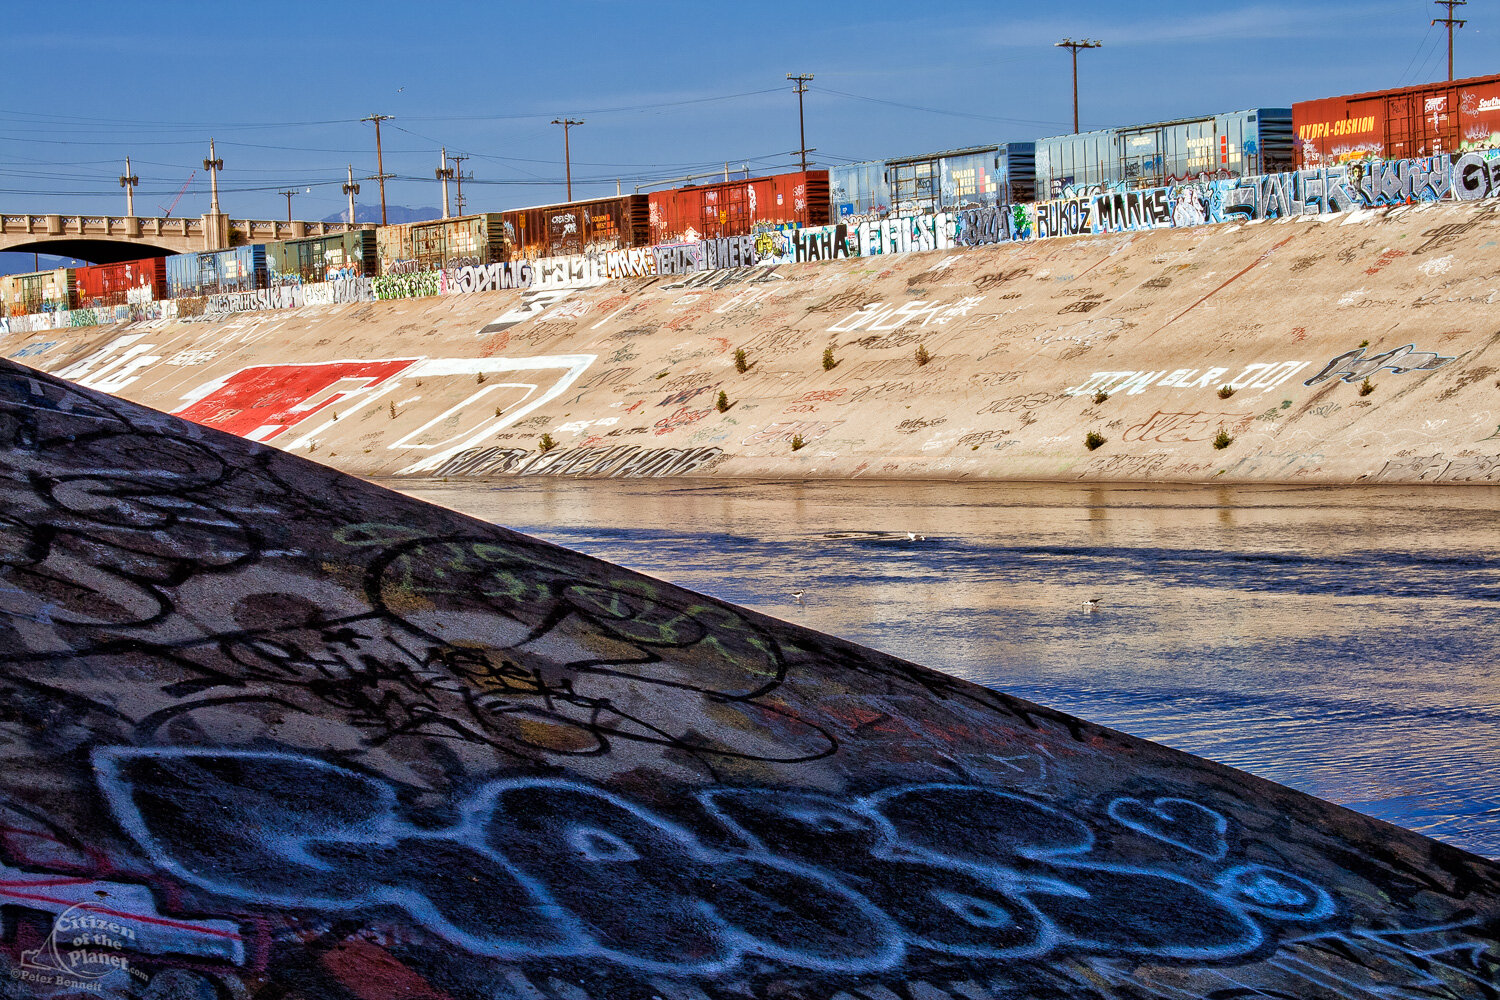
(104, 239)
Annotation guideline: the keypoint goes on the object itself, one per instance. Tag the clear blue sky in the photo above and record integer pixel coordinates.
(666, 89)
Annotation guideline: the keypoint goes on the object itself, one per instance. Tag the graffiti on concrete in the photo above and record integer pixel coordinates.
(284, 733)
(1352, 366)
(621, 461)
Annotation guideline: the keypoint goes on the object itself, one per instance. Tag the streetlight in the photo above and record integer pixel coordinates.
(1068, 43)
(444, 173)
(801, 88)
(213, 165)
(568, 123)
(351, 188)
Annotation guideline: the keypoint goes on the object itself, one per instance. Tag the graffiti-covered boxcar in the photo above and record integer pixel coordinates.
(321, 258)
(596, 226)
(217, 272)
(38, 291)
(949, 181)
(740, 207)
(1233, 144)
(117, 284)
(1425, 120)
(440, 243)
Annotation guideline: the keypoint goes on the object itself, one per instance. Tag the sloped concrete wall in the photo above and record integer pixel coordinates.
(1022, 339)
(271, 731)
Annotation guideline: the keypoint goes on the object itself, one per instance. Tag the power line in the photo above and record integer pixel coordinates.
(940, 111)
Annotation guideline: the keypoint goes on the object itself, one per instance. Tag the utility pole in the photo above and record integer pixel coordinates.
(351, 188)
(801, 88)
(213, 165)
(1068, 43)
(1451, 23)
(568, 123)
(128, 182)
(444, 173)
(380, 174)
(458, 175)
(288, 196)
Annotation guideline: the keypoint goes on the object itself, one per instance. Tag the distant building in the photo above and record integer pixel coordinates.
(948, 181)
(1257, 141)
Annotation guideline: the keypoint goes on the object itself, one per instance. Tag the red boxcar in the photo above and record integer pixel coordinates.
(1424, 120)
(112, 284)
(735, 208)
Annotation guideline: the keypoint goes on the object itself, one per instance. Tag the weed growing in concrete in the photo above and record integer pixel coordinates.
(479, 377)
(1100, 397)
(922, 356)
(723, 401)
(393, 409)
(1364, 343)
(546, 444)
(797, 442)
(498, 411)
(1225, 391)
(663, 373)
(1222, 440)
(1092, 440)
(741, 365)
(1366, 387)
(828, 361)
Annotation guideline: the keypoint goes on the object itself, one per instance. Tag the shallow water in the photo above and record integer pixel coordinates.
(1341, 641)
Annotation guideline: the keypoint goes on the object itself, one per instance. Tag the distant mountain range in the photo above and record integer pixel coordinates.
(394, 214)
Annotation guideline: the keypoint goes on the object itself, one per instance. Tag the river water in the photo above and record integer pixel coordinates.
(1341, 641)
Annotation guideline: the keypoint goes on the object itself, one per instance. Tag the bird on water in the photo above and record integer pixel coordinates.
(798, 595)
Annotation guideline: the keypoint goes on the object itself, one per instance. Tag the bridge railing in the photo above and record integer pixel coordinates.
(136, 227)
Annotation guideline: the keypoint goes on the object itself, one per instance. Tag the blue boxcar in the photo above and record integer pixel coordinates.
(216, 272)
(948, 181)
(1233, 144)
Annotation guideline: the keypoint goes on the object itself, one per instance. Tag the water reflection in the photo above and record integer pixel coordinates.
(1339, 641)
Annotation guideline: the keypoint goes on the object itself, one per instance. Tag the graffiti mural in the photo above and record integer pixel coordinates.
(271, 731)
(1352, 366)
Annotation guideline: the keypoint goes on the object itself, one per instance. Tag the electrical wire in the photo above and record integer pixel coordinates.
(940, 111)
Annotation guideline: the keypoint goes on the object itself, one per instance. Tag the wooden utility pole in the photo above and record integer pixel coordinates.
(380, 174)
(1068, 43)
(128, 182)
(288, 196)
(568, 123)
(458, 177)
(1451, 23)
(801, 80)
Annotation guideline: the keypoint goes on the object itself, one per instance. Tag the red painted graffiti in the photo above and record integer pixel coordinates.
(267, 400)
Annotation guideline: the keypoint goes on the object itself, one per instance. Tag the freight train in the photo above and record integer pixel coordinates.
(1425, 120)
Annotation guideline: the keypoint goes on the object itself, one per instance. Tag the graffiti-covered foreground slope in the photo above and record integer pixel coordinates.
(270, 731)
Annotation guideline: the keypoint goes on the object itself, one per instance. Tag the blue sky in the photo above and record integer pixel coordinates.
(666, 89)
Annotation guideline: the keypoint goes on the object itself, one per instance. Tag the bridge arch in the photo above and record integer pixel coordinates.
(95, 251)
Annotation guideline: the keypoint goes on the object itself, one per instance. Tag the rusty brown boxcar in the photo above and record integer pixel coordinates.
(738, 208)
(1424, 120)
(578, 227)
